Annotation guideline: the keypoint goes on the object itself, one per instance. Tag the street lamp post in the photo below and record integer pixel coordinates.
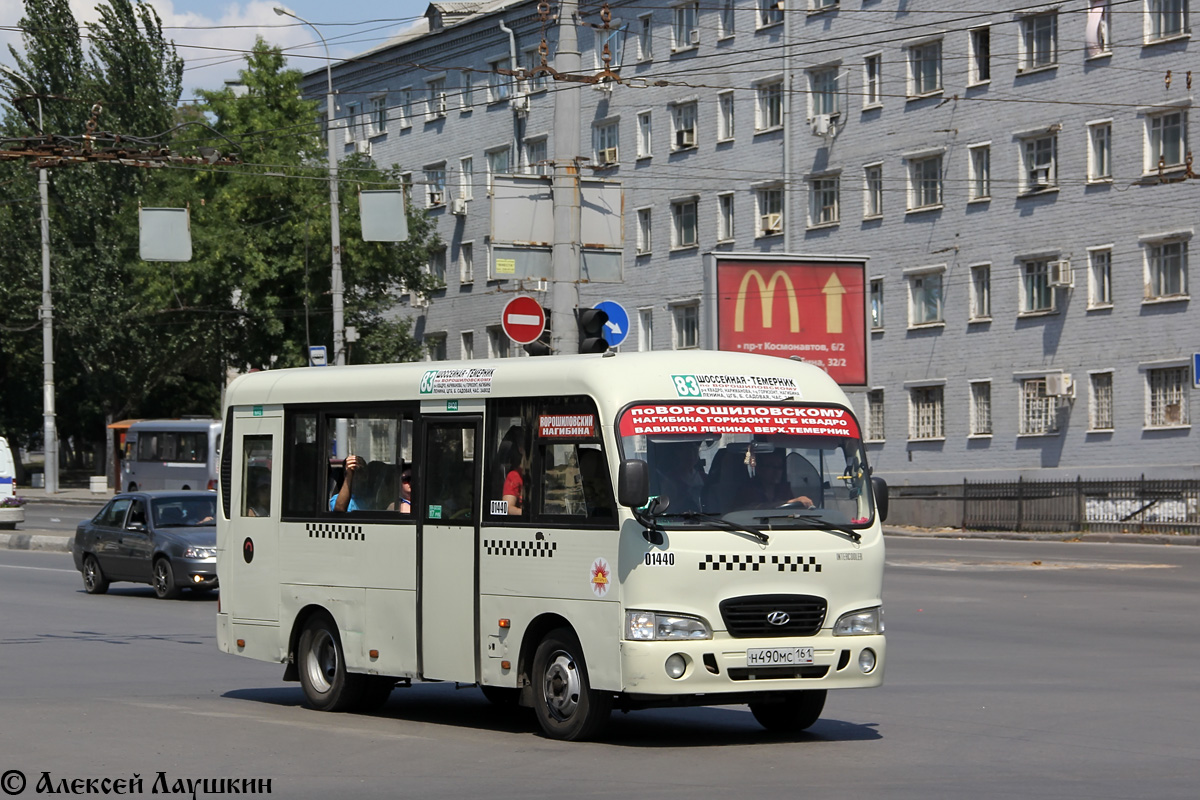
(339, 333)
(49, 427)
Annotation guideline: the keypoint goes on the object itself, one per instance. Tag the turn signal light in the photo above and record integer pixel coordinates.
(504, 623)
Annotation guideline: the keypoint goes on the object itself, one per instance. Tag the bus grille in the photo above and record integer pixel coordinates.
(747, 617)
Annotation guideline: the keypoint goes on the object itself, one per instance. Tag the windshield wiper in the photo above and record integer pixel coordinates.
(813, 520)
(719, 521)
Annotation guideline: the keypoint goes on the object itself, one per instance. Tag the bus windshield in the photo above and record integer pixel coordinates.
(776, 465)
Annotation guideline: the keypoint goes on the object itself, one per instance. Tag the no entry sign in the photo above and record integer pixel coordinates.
(523, 319)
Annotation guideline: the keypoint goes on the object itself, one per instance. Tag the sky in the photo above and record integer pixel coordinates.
(213, 36)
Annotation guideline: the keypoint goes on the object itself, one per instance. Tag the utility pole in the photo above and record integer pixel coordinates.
(566, 250)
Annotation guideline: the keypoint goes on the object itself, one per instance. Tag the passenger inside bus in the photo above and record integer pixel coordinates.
(513, 456)
(403, 503)
(349, 496)
(680, 475)
(769, 487)
(258, 493)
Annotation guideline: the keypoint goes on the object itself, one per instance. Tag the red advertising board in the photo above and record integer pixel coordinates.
(690, 418)
(787, 306)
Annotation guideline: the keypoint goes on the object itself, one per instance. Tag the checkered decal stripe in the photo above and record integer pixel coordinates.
(755, 563)
(499, 547)
(329, 530)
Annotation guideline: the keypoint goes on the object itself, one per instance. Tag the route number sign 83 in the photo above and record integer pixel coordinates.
(686, 385)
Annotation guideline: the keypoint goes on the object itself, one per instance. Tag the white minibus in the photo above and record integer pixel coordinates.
(575, 534)
(170, 454)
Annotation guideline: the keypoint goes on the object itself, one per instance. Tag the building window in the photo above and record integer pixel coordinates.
(980, 56)
(1100, 278)
(685, 30)
(925, 298)
(925, 68)
(728, 8)
(1166, 140)
(1037, 295)
(823, 91)
(1100, 151)
(725, 218)
(643, 231)
(352, 114)
(683, 125)
(468, 345)
(466, 178)
(768, 106)
(725, 116)
(377, 115)
(435, 98)
(537, 160)
(821, 5)
(531, 59)
(1166, 270)
(406, 107)
(686, 321)
(981, 292)
(498, 342)
(1167, 400)
(979, 177)
(875, 420)
(644, 139)
(497, 164)
(770, 12)
(924, 183)
(1100, 402)
(1167, 18)
(499, 85)
(877, 304)
(606, 138)
(468, 91)
(1096, 29)
(770, 210)
(437, 265)
(873, 191)
(1039, 411)
(435, 185)
(873, 81)
(466, 262)
(1039, 40)
(926, 420)
(1040, 162)
(613, 38)
(645, 329)
(645, 38)
(684, 232)
(823, 200)
(435, 347)
(981, 408)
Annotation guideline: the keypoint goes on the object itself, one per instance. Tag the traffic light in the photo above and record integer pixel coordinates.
(591, 330)
(541, 347)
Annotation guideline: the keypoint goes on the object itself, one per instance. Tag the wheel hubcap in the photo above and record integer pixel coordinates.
(561, 685)
(321, 662)
(89, 575)
(160, 578)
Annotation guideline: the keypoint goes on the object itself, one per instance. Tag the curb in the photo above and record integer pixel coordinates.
(46, 542)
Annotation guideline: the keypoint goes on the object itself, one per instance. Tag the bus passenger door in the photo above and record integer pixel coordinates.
(447, 492)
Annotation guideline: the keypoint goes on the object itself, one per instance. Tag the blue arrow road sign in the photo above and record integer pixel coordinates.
(617, 327)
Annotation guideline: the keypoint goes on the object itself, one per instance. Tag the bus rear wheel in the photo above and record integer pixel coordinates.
(566, 705)
(327, 685)
(796, 713)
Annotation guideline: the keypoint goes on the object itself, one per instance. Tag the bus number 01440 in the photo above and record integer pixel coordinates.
(660, 559)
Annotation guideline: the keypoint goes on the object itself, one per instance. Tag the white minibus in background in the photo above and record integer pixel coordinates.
(581, 533)
(171, 454)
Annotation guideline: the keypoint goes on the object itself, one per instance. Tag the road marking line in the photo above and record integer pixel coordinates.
(45, 569)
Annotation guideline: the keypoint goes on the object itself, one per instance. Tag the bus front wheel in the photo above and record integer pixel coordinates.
(327, 685)
(566, 705)
(796, 713)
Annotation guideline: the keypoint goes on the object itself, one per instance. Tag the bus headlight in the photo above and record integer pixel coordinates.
(860, 623)
(644, 626)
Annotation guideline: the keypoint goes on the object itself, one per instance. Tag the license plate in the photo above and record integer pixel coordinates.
(778, 656)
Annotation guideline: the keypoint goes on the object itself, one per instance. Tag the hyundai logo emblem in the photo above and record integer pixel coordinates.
(778, 618)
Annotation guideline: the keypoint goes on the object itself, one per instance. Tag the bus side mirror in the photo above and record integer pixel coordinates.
(881, 496)
(633, 483)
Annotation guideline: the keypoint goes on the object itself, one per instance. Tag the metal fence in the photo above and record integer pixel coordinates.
(1131, 506)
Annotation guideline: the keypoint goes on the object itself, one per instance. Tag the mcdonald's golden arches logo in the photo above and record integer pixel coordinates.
(766, 291)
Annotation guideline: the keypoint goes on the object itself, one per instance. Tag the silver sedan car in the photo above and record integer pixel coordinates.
(165, 539)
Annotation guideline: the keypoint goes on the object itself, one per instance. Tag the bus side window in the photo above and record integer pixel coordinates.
(596, 483)
(256, 476)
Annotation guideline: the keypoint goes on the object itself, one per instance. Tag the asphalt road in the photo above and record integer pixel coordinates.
(49, 516)
(1016, 670)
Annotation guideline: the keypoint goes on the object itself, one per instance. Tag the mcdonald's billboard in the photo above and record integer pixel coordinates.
(790, 306)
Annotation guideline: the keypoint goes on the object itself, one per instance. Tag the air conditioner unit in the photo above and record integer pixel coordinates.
(1040, 178)
(1060, 385)
(608, 156)
(437, 199)
(458, 206)
(1060, 273)
(418, 301)
(694, 37)
(363, 146)
(820, 124)
(772, 223)
(541, 286)
(440, 108)
(520, 103)
(685, 137)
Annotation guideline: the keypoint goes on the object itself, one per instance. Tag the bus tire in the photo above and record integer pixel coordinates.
(796, 713)
(567, 707)
(327, 685)
(94, 581)
(164, 580)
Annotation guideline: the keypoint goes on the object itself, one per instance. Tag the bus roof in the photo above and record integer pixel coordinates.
(613, 379)
(173, 424)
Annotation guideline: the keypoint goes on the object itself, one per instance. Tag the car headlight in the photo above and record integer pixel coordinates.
(860, 623)
(200, 552)
(647, 626)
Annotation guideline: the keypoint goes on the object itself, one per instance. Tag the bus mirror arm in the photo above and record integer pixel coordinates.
(881, 496)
